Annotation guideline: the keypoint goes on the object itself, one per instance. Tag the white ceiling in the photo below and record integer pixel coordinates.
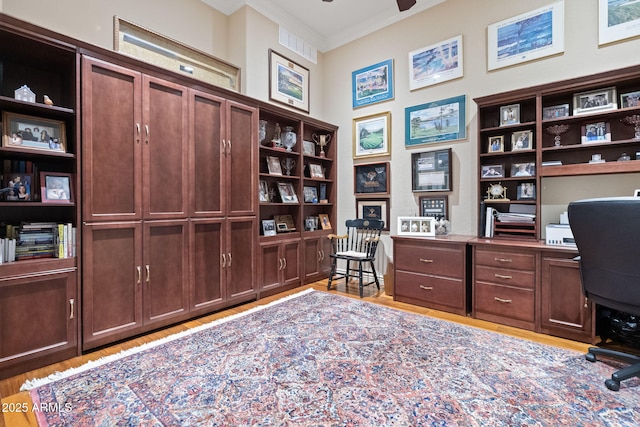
(327, 25)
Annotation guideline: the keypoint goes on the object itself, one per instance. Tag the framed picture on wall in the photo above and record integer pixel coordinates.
(526, 37)
(434, 206)
(436, 63)
(371, 179)
(438, 121)
(617, 20)
(372, 84)
(373, 209)
(431, 170)
(288, 82)
(372, 135)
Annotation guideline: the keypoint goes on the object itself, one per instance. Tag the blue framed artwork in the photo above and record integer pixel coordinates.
(436, 63)
(526, 37)
(437, 121)
(372, 84)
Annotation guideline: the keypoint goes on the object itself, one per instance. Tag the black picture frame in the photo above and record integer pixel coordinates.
(431, 170)
(372, 179)
(374, 209)
(434, 206)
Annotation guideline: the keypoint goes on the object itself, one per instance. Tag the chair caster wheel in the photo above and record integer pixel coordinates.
(612, 385)
(590, 357)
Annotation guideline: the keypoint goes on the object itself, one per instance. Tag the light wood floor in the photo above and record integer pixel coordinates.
(12, 385)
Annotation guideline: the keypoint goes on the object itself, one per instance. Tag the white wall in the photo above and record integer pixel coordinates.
(245, 37)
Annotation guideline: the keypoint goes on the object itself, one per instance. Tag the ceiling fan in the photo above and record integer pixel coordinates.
(402, 4)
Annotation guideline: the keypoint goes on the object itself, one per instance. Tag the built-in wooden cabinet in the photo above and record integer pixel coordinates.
(280, 265)
(317, 260)
(433, 272)
(39, 294)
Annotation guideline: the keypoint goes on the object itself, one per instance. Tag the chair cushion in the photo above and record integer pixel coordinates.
(352, 254)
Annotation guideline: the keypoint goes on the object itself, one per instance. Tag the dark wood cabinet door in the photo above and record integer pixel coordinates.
(240, 260)
(39, 319)
(292, 271)
(165, 133)
(111, 145)
(206, 273)
(206, 168)
(312, 258)
(112, 282)
(564, 310)
(240, 150)
(270, 265)
(325, 259)
(165, 271)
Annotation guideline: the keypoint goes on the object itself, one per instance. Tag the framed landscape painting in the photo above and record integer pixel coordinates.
(372, 84)
(372, 135)
(617, 20)
(529, 36)
(437, 121)
(436, 63)
(288, 82)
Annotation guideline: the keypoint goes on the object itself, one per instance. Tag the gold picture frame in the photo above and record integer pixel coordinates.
(33, 133)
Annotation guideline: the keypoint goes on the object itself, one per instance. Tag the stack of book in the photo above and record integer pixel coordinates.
(36, 240)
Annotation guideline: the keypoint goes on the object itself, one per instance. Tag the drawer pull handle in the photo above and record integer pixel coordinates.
(506, 301)
(502, 276)
(426, 288)
(503, 259)
(426, 260)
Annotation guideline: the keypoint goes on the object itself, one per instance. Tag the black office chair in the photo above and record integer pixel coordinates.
(358, 245)
(607, 233)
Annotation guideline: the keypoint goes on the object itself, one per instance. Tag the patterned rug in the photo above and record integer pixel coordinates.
(318, 359)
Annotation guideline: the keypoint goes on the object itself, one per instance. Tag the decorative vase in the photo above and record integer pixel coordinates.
(262, 131)
(289, 138)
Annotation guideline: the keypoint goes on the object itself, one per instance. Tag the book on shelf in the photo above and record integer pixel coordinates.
(552, 163)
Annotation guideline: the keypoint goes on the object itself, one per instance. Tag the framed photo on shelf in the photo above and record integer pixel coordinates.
(596, 132)
(324, 221)
(372, 135)
(492, 171)
(308, 148)
(595, 100)
(56, 187)
(434, 206)
(27, 132)
(416, 226)
(373, 209)
(521, 140)
(263, 191)
(323, 192)
(371, 179)
(431, 170)
(288, 82)
(496, 144)
(19, 187)
(287, 192)
(273, 165)
(527, 191)
(436, 63)
(617, 20)
(539, 33)
(630, 99)
(523, 169)
(315, 171)
(510, 115)
(438, 121)
(310, 194)
(372, 84)
(555, 111)
(269, 227)
(284, 223)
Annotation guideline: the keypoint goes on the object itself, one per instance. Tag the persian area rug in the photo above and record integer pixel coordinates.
(319, 359)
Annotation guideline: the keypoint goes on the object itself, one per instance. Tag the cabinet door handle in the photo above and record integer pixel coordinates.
(426, 260)
(138, 133)
(223, 260)
(505, 301)
(146, 138)
(322, 255)
(586, 302)
(502, 276)
(71, 302)
(148, 272)
(319, 256)
(230, 259)
(229, 147)
(507, 260)
(279, 264)
(284, 265)
(139, 269)
(426, 288)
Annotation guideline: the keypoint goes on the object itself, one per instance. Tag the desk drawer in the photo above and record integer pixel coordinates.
(504, 301)
(511, 260)
(440, 290)
(441, 261)
(504, 276)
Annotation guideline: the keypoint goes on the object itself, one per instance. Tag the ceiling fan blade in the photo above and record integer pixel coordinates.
(405, 4)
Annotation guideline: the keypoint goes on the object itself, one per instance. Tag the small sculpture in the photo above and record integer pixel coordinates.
(47, 100)
(276, 140)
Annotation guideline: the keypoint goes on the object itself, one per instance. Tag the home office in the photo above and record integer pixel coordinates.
(547, 298)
